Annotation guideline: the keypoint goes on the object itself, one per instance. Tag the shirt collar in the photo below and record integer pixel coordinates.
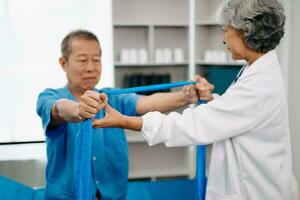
(261, 63)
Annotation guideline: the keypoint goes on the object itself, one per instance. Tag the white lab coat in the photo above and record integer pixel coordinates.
(248, 126)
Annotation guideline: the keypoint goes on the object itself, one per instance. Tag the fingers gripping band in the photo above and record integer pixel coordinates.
(83, 143)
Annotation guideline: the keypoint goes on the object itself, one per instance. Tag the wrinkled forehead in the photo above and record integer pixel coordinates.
(85, 46)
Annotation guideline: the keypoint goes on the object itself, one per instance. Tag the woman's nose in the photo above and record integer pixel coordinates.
(223, 41)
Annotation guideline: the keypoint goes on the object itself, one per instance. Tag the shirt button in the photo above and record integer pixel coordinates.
(94, 158)
(97, 182)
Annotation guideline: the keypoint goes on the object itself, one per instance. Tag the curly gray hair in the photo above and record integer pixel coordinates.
(261, 21)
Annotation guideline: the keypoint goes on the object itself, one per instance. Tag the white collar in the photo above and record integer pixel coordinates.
(261, 63)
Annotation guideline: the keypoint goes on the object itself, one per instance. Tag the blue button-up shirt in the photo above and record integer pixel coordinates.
(109, 149)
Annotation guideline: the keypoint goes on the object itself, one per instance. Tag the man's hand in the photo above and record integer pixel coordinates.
(65, 110)
(89, 104)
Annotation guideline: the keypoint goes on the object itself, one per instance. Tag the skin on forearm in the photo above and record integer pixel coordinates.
(133, 123)
(65, 110)
(114, 119)
(162, 102)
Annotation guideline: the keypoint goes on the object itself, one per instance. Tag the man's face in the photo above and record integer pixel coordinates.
(83, 66)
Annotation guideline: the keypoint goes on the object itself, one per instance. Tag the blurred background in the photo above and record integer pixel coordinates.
(143, 42)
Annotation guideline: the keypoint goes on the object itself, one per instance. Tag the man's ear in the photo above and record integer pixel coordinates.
(63, 63)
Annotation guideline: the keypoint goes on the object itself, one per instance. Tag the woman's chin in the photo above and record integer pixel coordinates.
(236, 57)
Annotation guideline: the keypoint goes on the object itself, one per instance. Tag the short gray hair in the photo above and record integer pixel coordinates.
(80, 33)
(261, 21)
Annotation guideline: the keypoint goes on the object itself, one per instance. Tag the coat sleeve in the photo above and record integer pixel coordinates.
(234, 113)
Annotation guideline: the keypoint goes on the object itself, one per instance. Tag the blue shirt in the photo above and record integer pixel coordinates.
(109, 149)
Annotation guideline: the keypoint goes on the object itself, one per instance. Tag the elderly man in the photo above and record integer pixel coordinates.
(62, 110)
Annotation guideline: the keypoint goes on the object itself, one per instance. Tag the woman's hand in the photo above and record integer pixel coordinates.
(203, 88)
(112, 117)
(115, 119)
(190, 94)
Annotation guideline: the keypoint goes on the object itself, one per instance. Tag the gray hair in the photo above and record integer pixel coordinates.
(261, 21)
(66, 42)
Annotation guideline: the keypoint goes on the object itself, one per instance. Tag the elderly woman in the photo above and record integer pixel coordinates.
(248, 124)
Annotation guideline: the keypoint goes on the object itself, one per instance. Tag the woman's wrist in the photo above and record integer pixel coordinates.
(133, 123)
(189, 96)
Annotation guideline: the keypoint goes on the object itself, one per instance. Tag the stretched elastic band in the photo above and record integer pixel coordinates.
(83, 143)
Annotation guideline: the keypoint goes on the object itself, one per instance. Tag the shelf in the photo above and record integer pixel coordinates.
(130, 25)
(150, 12)
(171, 38)
(177, 72)
(136, 26)
(134, 37)
(159, 161)
(180, 25)
(161, 173)
(206, 10)
(208, 38)
(172, 25)
(134, 136)
(119, 64)
(207, 23)
(237, 63)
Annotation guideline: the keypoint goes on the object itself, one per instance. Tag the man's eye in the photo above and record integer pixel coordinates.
(81, 60)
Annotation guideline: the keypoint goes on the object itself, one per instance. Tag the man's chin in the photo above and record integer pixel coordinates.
(90, 87)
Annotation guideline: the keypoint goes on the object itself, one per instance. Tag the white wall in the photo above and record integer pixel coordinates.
(30, 36)
(294, 83)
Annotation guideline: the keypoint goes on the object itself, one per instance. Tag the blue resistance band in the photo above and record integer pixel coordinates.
(83, 145)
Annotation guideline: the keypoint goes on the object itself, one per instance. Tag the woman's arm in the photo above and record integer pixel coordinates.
(113, 118)
(157, 102)
(233, 114)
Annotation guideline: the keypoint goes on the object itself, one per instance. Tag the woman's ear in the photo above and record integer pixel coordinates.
(63, 62)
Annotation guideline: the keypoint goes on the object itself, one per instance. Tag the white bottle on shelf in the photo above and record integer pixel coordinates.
(158, 55)
(178, 55)
(133, 57)
(167, 55)
(142, 56)
(223, 56)
(208, 56)
(124, 57)
(216, 56)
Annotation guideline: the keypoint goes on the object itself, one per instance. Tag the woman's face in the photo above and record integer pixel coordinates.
(235, 43)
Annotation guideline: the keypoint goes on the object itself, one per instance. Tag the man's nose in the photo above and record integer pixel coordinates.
(90, 66)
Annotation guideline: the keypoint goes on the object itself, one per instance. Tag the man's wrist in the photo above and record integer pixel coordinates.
(57, 119)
